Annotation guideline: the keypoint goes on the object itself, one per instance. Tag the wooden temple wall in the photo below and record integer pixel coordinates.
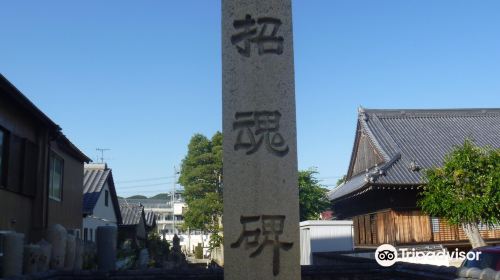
(409, 227)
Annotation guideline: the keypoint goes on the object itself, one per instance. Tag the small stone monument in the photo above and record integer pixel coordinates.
(12, 260)
(176, 257)
(261, 207)
(45, 253)
(69, 262)
(106, 248)
(78, 254)
(57, 236)
(143, 261)
(32, 254)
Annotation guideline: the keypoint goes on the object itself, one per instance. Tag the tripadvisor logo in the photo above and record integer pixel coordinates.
(387, 255)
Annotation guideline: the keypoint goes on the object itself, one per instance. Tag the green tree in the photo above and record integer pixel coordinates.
(312, 196)
(201, 176)
(465, 190)
(341, 180)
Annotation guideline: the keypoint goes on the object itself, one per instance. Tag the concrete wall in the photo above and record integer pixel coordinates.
(68, 211)
(102, 215)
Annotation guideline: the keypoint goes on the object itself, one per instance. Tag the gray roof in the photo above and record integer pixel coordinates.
(131, 212)
(95, 177)
(150, 217)
(422, 138)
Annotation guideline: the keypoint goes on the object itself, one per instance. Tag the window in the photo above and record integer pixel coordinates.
(55, 177)
(3, 148)
(85, 234)
(435, 224)
(106, 198)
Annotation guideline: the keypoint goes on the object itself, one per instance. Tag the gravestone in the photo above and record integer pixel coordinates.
(261, 214)
(69, 261)
(31, 258)
(78, 254)
(57, 236)
(106, 248)
(45, 255)
(12, 260)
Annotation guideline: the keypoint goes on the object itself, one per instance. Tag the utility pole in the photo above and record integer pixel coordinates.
(102, 150)
(173, 198)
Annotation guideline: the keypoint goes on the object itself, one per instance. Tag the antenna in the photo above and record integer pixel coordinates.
(102, 150)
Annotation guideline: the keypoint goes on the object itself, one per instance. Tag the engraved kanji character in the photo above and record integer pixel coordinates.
(247, 235)
(266, 124)
(246, 35)
(265, 37)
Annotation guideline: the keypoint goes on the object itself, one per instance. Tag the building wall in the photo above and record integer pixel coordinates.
(410, 227)
(68, 211)
(392, 227)
(366, 155)
(102, 215)
(22, 199)
(324, 236)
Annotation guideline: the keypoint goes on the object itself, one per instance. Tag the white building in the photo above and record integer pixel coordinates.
(170, 220)
(324, 236)
(100, 203)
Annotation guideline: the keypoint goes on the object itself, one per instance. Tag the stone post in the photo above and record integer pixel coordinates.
(12, 260)
(78, 254)
(31, 258)
(69, 262)
(57, 236)
(45, 255)
(106, 248)
(261, 214)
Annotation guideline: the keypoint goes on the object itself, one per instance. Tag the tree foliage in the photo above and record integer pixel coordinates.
(466, 189)
(201, 176)
(312, 196)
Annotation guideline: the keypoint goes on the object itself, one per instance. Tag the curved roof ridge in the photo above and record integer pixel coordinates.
(364, 119)
(391, 155)
(433, 112)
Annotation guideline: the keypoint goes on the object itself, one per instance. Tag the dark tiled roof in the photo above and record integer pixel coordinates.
(131, 213)
(150, 218)
(422, 138)
(95, 177)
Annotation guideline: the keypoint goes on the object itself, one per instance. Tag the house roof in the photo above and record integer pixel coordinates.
(131, 213)
(150, 217)
(409, 141)
(95, 177)
(17, 97)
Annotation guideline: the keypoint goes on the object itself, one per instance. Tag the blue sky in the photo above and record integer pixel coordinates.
(141, 77)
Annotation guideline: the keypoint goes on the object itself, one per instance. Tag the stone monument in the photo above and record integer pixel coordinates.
(261, 208)
(57, 236)
(12, 260)
(106, 247)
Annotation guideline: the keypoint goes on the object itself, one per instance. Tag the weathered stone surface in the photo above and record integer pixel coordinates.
(69, 262)
(56, 236)
(106, 248)
(12, 260)
(261, 216)
(45, 254)
(31, 258)
(487, 274)
(78, 254)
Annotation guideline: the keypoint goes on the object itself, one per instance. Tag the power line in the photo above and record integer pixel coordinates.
(142, 186)
(144, 180)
